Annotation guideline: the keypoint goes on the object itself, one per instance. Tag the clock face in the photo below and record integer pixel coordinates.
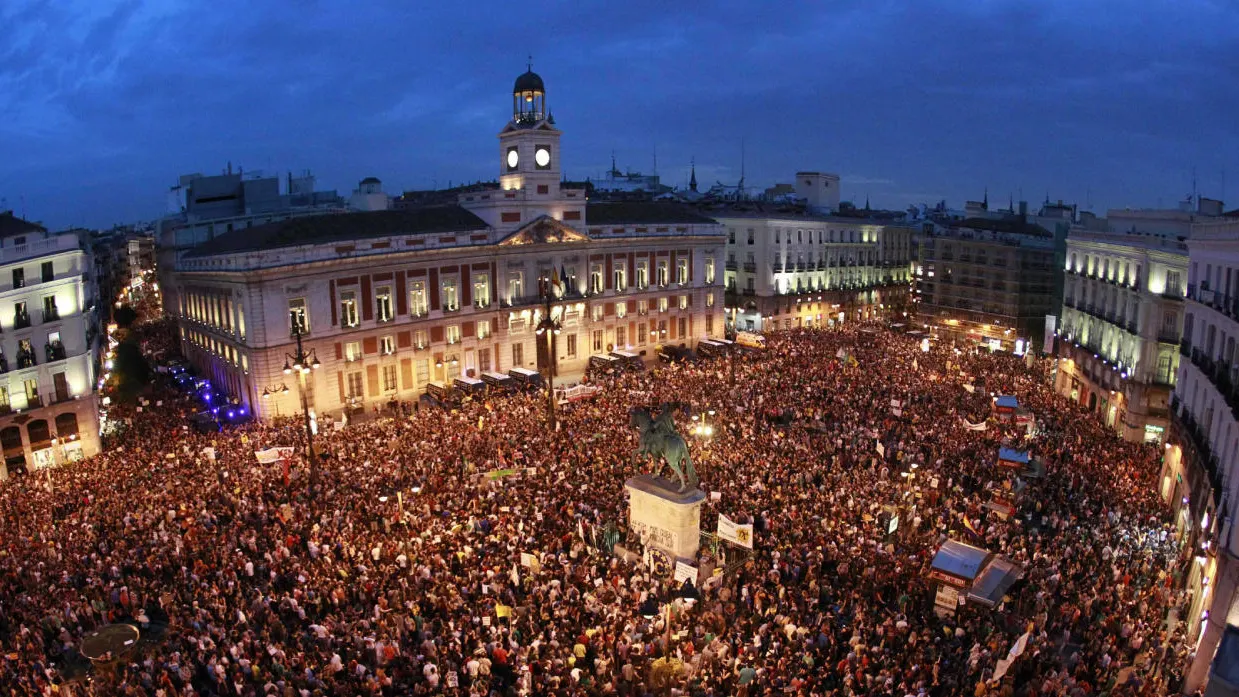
(513, 159)
(542, 157)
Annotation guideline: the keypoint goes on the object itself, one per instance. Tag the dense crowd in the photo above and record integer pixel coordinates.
(412, 572)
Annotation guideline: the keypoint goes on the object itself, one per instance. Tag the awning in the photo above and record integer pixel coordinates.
(958, 562)
(1226, 660)
(1015, 459)
(1007, 402)
(994, 582)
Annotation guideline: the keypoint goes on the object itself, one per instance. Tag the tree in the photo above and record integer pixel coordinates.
(125, 316)
(130, 369)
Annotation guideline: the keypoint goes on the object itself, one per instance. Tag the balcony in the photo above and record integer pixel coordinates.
(51, 314)
(1166, 336)
(777, 268)
(55, 351)
(25, 359)
(1196, 437)
(750, 266)
(730, 265)
(21, 320)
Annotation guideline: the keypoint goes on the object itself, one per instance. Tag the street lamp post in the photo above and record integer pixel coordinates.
(280, 389)
(303, 361)
(549, 328)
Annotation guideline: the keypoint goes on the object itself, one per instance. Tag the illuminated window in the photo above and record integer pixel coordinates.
(481, 290)
(389, 378)
(709, 270)
(420, 339)
(453, 333)
(387, 345)
(681, 271)
(298, 317)
(451, 295)
(352, 351)
(483, 328)
(382, 304)
(621, 310)
(596, 312)
(348, 309)
(417, 299)
(643, 275)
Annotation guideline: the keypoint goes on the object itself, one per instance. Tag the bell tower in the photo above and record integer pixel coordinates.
(530, 177)
(529, 144)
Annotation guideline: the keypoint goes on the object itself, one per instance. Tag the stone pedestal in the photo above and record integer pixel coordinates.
(664, 518)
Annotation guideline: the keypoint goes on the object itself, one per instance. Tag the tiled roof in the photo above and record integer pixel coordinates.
(342, 227)
(630, 212)
(1015, 225)
(12, 225)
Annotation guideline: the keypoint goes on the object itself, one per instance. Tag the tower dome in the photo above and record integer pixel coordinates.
(528, 98)
(529, 81)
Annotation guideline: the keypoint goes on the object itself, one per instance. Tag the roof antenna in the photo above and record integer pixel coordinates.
(529, 63)
(740, 185)
(655, 158)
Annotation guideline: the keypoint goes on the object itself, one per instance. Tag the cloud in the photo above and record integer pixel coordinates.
(113, 100)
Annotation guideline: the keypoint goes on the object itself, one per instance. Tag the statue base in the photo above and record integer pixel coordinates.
(665, 518)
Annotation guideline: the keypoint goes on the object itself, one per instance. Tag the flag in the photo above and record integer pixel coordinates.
(557, 281)
(516, 574)
(971, 529)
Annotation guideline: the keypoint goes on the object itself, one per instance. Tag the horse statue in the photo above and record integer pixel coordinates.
(660, 441)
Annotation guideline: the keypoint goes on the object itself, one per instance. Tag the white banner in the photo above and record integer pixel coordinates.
(209, 452)
(1047, 339)
(881, 449)
(970, 389)
(732, 531)
(266, 457)
(974, 427)
(685, 572)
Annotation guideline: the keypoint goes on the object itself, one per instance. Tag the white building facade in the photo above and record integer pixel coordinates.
(48, 410)
(391, 301)
(804, 270)
(1201, 469)
(1121, 320)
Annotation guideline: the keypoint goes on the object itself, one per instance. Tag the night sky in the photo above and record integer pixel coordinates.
(103, 105)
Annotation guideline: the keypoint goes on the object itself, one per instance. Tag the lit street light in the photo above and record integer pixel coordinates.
(303, 362)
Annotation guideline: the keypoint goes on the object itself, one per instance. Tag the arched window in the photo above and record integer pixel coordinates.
(11, 439)
(66, 425)
(38, 432)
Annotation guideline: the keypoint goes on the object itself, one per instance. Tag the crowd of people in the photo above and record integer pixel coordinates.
(459, 551)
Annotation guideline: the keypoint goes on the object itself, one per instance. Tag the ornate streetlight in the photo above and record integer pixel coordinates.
(302, 362)
(549, 328)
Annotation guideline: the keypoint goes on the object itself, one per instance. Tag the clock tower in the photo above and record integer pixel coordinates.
(529, 170)
(529, 144)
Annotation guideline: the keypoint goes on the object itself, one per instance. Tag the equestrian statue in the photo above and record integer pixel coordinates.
(661, 441)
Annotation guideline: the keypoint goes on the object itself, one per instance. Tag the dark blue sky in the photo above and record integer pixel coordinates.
(103, 105)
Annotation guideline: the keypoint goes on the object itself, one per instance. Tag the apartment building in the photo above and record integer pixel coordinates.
(789, 267)
(989, 281)
(48, 339)
(1120, 324)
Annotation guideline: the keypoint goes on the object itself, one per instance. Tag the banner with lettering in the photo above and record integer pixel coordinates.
(270, 455)
(732, 531)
